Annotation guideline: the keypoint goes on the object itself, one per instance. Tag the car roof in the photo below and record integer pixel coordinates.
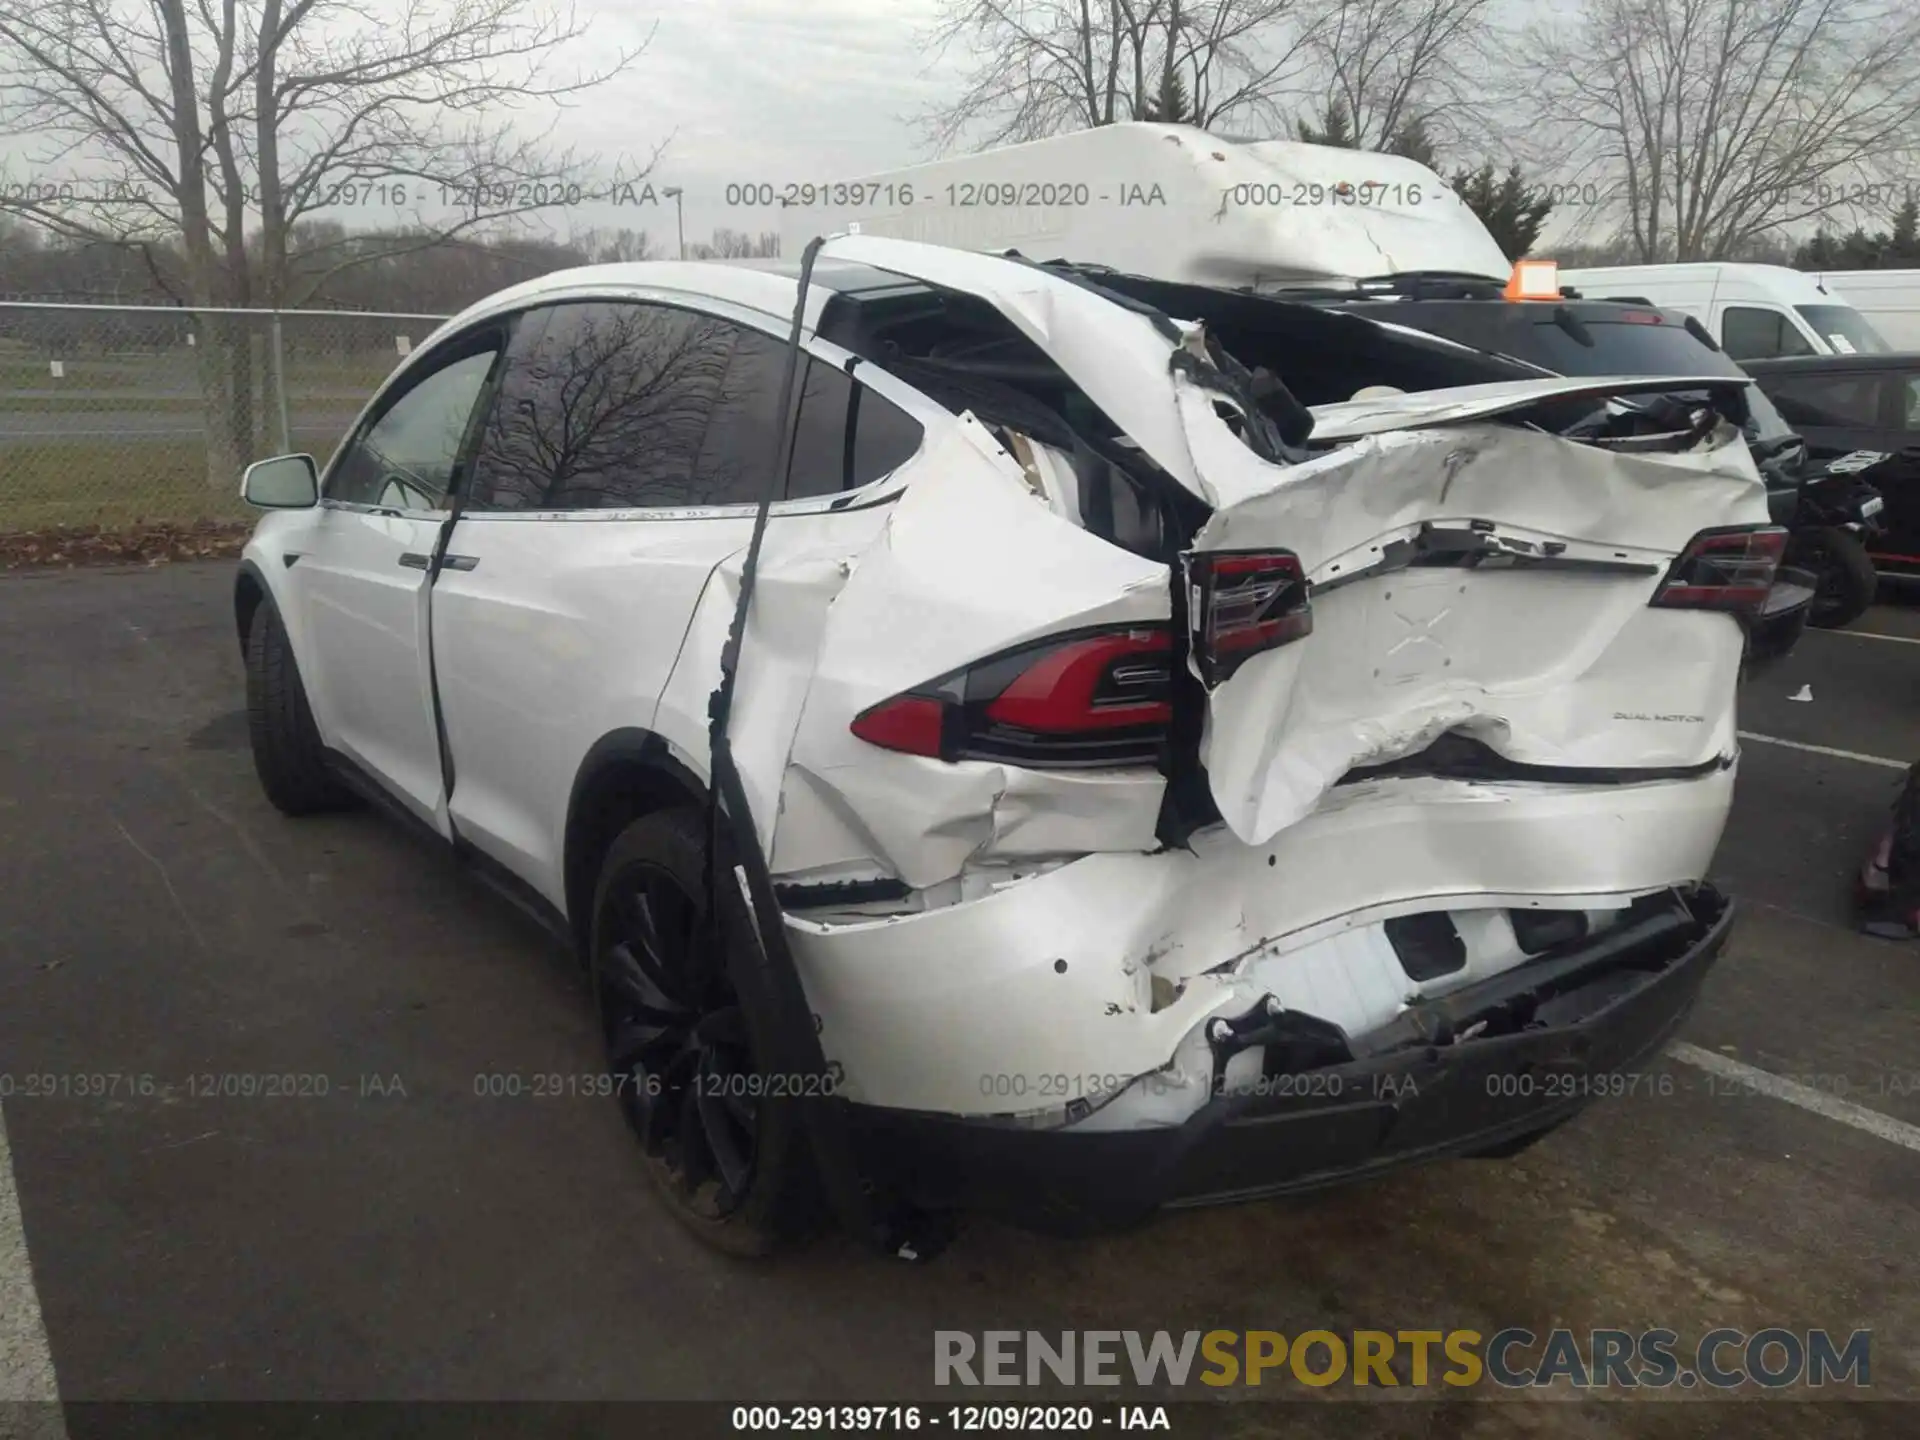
(766, 285)
(1814, 364)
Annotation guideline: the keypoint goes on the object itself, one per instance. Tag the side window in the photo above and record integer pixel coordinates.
(1910, 401)
(1849, 402)
(848, 435)
(406, 458)
(1750, 333)
(885, 437)
(738, 453)
(605, 405)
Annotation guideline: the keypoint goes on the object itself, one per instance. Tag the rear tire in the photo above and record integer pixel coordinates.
(287, 753)
(1845, 572)
(722, 1141)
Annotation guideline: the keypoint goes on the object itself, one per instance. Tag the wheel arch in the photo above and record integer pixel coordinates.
(627, 773)
(250, 588)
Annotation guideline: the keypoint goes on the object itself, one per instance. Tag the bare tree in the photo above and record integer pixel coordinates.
(616, 245)
(1397, 66)
(735, 245)
(219, 126)
(1044, 67)
(1716, 122)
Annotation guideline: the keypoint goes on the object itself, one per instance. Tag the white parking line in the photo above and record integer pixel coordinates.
(1826, 750)
(26, 1364)
(1872, 635)
(1859, 1117)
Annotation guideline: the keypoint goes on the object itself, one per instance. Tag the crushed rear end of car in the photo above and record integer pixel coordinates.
(1187, 800)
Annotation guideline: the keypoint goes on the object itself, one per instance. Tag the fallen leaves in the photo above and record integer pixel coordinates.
(156, 543)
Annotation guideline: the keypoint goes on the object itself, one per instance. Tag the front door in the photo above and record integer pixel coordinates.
(360, 585)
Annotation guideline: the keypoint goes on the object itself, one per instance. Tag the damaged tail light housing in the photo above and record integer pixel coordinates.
(1727, 568)
(1241, 602)
(1088, 699)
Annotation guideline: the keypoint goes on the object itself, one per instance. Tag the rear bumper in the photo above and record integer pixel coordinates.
(1408, 1093)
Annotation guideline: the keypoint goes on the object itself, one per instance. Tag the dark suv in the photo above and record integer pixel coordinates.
(1850, 408)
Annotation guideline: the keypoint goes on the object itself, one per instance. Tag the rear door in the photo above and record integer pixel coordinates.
(622, 462)
(359, 586)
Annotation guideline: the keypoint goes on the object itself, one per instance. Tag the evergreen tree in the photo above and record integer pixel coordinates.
(1335, 127)
(1903, 245)
(1170, 106)
(1513, 211)
(1412, 142)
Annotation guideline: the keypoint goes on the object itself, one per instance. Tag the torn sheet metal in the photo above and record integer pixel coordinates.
(1544, 666)
(1116, 355)
(1547, 666)
(855, 606)
(970, 562)
(1352, 418)
(1097, 969)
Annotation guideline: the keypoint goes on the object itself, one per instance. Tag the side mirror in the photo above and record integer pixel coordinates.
(286, 482)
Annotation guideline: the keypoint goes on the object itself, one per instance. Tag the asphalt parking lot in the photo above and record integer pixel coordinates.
(401, 1237)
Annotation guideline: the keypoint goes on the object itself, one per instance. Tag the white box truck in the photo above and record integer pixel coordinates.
(1755, 311)
(1172, 202)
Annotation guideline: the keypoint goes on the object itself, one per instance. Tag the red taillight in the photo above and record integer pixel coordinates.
(1096, 698)
(911, 723)
(1727, 568)
(1241, 602)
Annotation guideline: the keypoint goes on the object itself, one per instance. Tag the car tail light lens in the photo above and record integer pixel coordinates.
(1241, 602)
(1729, 568)
(1090, 699)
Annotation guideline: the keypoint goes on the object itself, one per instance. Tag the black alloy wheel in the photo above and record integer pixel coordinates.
(677, 1041)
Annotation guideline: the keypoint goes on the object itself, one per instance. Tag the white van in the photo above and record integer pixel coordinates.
(1169, 201)
(1754, 311)
(1889, 299)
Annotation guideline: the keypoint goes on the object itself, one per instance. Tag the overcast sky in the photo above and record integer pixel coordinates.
(739, 92)
(781, 91)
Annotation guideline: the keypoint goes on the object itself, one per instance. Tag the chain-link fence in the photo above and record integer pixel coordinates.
(115, 416)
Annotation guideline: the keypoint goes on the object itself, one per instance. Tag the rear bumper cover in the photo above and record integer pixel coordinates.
(1578, 1022)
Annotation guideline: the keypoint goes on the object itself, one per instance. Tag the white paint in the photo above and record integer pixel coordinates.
(1858, 1117)
(59, 369)
(1117, 921)
(1826, 750)
(26, 1364)
(403, 345)
(1546, 666)
(1804, 694)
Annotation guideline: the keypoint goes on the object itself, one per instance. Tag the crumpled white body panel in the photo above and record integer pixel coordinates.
(1048, 933)
(1545, 665)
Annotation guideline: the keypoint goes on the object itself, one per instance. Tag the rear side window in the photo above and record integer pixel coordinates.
(1851, 402)
(606, 405)
(848, 435)
(1748, 333)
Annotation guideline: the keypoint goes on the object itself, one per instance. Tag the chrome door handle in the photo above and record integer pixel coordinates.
(459, 562)
(412, 561)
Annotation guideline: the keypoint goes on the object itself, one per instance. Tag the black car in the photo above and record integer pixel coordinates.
(1860, 414)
